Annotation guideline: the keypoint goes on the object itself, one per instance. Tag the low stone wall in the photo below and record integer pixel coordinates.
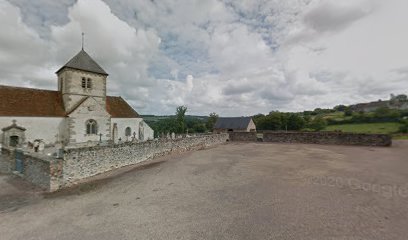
(6, 163)
(42, 171)
(335, 138)
(243, 136)
(81, 163)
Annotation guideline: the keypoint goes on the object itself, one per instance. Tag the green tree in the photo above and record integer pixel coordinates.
(318, 124)
(340, 108)
(195, 125)
(273, 121)
(212, 119)
(348, 112)
(307, 118)
(200, 128)
(163, 126)
(404, 127)
(385, 112)
(180, 119)
(295, 122)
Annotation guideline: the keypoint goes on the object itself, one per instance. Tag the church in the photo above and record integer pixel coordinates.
(79, 113)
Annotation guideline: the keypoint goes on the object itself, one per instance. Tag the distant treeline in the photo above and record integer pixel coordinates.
(180, 123)
(315, 120)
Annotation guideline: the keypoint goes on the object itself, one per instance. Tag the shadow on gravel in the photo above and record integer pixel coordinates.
(13, 202)
(16, 193)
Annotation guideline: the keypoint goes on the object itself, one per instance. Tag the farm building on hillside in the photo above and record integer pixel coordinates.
(234, 124)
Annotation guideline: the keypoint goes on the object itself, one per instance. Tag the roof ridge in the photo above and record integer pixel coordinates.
(27, 88)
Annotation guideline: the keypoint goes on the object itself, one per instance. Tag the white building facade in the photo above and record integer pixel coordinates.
(80, 112)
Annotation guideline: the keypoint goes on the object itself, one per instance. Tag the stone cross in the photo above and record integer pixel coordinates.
(173, 135)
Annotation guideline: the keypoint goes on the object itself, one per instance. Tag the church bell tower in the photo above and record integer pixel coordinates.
(79, 78)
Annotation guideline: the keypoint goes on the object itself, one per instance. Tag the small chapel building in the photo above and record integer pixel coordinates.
(79, 112)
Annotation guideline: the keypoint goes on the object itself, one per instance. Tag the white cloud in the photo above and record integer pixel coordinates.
(21, 49)
(246, 56)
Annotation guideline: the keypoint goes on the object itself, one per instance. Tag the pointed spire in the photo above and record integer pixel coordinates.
(82, 61)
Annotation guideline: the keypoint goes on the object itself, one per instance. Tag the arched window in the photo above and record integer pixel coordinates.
(128, 132)
(91, 127)
(89, 83)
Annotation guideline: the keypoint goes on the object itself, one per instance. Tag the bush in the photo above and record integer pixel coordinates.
(318, 124)
(381, 116)
(348, 112)
(404, 127)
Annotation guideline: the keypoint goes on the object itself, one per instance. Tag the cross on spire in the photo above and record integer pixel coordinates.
(83, 40)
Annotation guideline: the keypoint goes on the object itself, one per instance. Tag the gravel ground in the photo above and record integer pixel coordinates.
(234, 191)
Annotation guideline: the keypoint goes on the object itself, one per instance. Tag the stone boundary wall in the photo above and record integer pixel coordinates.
(81, 163)
(333, 138)
(243, 136)
(6, 163)
(42, 171)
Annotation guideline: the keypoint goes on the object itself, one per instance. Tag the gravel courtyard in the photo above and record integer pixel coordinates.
(234, 191)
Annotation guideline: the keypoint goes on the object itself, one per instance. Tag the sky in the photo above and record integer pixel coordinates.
(232, 57)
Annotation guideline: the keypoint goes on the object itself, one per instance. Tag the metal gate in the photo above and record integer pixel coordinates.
(19, 161)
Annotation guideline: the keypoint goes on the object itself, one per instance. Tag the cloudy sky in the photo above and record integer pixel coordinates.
(234, 57)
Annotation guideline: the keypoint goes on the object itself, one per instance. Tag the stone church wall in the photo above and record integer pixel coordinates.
(45, 128)
(90, 109)
(72, 86)
(81, 163)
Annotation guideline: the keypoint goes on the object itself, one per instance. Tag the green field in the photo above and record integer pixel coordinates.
(400, 137)
(386, 128)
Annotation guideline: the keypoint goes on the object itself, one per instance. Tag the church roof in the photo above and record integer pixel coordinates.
(117, 107)
(236, 123)
(17, 101)
(82, 61)
(31, 102)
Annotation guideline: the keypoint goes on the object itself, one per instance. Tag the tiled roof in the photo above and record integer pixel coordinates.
(16, 101)
(117, 107)
(82, 61)
(236, 123)
(30, 102)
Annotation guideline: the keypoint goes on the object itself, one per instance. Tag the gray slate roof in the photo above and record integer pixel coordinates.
(236, 123)
(82, 61)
